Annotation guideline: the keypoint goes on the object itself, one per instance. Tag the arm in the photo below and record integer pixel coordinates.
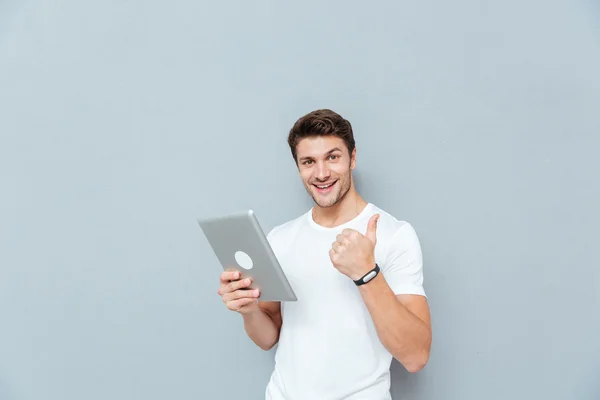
(402, 322)
(395, 297)
(263, 324)
(262, 319)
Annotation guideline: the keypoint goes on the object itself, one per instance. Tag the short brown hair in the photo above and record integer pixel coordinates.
(322, 122)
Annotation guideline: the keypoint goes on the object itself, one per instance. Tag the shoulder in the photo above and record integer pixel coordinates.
(282, 234)
(399, 253)
(394, 233)
(389, 225)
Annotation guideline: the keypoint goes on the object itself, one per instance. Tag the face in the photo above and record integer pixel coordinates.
(325, 167)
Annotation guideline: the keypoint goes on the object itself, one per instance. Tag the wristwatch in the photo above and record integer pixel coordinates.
(368, 276)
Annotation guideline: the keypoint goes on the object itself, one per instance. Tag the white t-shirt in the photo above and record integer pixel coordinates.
(328, 347)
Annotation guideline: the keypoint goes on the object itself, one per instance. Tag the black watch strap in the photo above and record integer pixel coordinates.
(368, 276)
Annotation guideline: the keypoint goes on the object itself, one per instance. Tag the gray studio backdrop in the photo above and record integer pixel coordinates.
(123, 121)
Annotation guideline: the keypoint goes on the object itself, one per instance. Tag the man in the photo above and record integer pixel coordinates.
(337, 341)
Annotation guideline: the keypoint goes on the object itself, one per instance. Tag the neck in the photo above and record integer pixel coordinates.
(348, 208)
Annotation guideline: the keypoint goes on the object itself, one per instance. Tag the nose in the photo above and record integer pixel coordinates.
(322, 173)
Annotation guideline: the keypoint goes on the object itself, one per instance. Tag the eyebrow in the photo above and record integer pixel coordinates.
(326, 154)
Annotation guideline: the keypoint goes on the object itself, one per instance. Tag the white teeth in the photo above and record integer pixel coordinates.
(324, 187)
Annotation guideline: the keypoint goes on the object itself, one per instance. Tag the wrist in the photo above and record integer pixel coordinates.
(368, 273)
(251, 311)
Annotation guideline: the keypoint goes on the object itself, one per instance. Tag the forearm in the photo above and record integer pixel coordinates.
(261, 328)
(404, 335)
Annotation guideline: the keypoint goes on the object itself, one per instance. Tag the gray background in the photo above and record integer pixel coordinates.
(123, 121)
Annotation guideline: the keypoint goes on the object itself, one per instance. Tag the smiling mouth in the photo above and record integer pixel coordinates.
(324, 188)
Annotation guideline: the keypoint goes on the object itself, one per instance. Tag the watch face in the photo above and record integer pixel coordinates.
(369, 276)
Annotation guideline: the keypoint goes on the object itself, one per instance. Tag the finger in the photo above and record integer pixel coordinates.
(336, 246)
(341, 238)
(372, 228)
(227, 276)
(236, 285)
(333, 256)
(235, 305)
(239, 294)
(232, 286)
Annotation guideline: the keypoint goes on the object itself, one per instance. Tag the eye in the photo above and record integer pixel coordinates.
(306, 162)
(333, 156)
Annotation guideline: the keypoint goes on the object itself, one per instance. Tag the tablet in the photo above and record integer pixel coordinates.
(240, 244)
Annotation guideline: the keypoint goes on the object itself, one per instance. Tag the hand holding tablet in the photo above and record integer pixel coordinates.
(242, 247)
(235, 293)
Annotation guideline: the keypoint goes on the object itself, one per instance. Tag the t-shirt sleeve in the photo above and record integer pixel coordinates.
(403, 268)
(274, 241)
(270, 235)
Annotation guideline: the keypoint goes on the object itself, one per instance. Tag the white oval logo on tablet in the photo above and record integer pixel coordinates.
(243, 260)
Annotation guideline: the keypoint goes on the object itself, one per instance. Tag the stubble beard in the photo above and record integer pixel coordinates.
(331, 200)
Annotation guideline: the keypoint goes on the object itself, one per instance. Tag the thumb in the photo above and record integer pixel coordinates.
(372, 228)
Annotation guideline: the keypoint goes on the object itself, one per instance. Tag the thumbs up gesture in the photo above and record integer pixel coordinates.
(353, 254)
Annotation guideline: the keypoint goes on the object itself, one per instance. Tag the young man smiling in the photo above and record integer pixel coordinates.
(357, 273)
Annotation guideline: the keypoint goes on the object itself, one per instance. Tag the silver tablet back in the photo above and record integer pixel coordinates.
(240, 244)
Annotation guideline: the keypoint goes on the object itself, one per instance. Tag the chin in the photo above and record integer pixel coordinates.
(326, 203)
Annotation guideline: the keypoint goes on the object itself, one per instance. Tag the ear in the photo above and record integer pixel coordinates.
(353, 159)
